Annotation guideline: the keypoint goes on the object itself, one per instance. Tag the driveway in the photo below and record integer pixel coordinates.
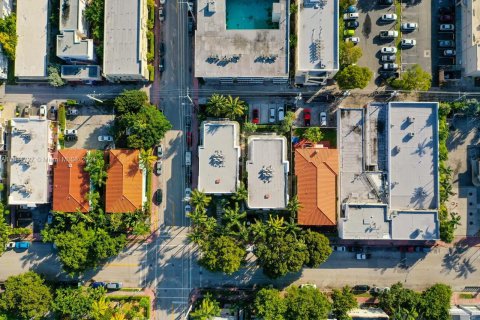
(92, 122)
(421, 13)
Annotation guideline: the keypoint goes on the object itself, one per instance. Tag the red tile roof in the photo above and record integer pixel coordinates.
(124, 182)
(71, 183)
(317, 171)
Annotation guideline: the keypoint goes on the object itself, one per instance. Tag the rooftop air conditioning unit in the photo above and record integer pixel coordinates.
(412, 134)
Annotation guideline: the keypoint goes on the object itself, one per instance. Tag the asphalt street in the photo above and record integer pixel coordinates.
(178, 273)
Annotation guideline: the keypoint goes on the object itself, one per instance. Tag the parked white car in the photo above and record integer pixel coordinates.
(351, 16)
(43, 110)
(281, 113)
(389, 17)
(188, 194)
(409, 26)
(408, 42)
(447, 27)
(105, 138)
(354, 40)
(323, 119)
(388, 50)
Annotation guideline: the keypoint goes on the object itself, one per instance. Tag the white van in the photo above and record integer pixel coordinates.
(188, 158)
(351, 16)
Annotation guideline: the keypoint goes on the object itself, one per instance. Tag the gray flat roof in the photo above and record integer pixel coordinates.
(375, 174)
(29, 161)
(267, 169)
(123, 37)
(70, 45)
(415, 225)
(218, 157)
(217, 49)
(413, 155)
(365, 221)
(71, 15)
(317, 47)
(31, 50)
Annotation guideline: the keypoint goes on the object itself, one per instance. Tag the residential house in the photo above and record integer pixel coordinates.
(71, 183)
(125, 186)
(316, 168)
(267, 168)
(218, 157)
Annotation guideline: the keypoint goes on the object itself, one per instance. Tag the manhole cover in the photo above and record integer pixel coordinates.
(427, 54)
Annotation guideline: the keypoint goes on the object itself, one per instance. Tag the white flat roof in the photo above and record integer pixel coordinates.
(238, 52)
(31, 51)
(415, 225)
(218, 157)
(267, 169)
(317, 47)
(29, 161)
(413, 155)
(122, 37)
(385, 194)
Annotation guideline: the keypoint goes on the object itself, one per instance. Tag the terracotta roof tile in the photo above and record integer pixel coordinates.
(124, 182)
(317, 171)
(71, 183)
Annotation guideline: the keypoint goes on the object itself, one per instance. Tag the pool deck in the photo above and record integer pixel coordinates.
(222, 53)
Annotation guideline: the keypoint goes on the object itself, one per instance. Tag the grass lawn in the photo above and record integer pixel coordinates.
(466, 296)
(329, 134)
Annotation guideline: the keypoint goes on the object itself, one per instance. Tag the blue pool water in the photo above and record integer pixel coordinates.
(247, 14)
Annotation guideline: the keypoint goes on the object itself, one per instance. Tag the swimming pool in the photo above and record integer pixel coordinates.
(245, 14)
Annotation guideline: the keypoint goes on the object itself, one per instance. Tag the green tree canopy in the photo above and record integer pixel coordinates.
(4, 233)
(249, 127)
(76, 303)
(222, 254)
(234, 108)
(318, 247)
(143, 129)
(130, 101)
(306, 303)
(95, 166)
(287, 122)
(206, 309)
(200, 199)
(415, 78)
(26, 296)
(349, 53)
(343, 301)
(435, 302)
(313, 134)
(280, 253)
(216, 105)
(8, 35)
(353, 76)
(398, 298)
(269, 305)
(54, 78)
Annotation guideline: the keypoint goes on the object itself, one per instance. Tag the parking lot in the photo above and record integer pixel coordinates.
(315, 108)
(90, 123)
(370, 13)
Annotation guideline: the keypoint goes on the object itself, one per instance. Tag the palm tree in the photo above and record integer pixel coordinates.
(146, 159)
(292, 228)
(207, 309)
(241, 195)
(200, 199)
(99, 308)
(294, 205)
(198, 216)
(216, 105)
(234, 107)
(118, 316)
(455, 220)
(232, 219)
(259, 231)
(405, 314)
(275, 225)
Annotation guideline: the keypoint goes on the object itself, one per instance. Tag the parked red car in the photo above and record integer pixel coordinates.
(307, 115)
(255, 116)
(189, 138)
